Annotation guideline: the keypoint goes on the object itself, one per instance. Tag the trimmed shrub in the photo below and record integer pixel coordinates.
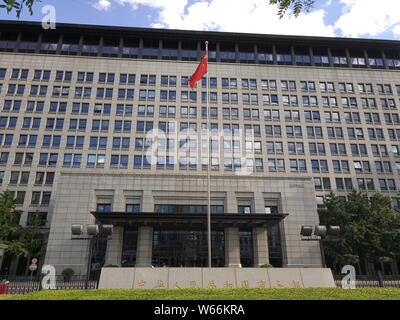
(111, 266)
(68, 273)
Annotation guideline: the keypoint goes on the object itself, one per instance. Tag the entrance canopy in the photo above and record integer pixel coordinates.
(189, 220)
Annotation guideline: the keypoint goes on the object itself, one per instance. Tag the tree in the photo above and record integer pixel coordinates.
(370, 229)
(33, 238)
(18, 6)
(10, 230)
(26, 241)
(297, 5)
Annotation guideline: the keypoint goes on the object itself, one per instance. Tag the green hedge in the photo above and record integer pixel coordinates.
(214, 294)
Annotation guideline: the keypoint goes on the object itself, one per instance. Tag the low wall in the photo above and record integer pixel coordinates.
(180, 278)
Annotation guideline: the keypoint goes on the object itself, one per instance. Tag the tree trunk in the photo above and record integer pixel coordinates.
(27, 265)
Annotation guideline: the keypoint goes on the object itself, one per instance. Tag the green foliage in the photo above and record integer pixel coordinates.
(267, 265)
(26, 241)
(370, 229)
(214, 294)
(33, 237)
(10, 230)
(111, 266)
(68, 273)
(18, 6)
(298, 6)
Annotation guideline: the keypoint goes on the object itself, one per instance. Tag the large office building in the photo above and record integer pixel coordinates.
(98, 125)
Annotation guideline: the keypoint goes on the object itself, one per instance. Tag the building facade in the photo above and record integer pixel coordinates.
(99, 125)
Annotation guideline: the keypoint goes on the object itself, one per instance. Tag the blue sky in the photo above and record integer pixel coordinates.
(341, 18)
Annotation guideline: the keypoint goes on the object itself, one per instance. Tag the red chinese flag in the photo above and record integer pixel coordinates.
(200, 71)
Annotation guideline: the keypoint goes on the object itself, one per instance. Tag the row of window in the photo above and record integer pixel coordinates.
(281, 56)
(346, 184)
(226, 83)
(191, 96)
(30, 140)
(22, 178)
(184, 209)
(125, 125)
(229, 146)
(41, 198)
(54, 141)
(167, 161)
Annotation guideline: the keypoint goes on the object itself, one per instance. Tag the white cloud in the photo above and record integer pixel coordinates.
(102, 5)
(368, 17)
(396, 30)
(254, 16)
(358, 17)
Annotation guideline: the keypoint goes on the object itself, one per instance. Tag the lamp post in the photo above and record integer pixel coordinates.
(92, 231)
(320, 232)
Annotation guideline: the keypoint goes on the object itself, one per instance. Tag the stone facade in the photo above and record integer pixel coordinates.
(78, 194)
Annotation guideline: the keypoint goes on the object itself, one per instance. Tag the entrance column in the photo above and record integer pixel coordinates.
(260, 239)
(144, 247)
(232, 248)
(114, 247)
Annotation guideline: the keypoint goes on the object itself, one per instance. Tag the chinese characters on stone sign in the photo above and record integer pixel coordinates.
(211, 284)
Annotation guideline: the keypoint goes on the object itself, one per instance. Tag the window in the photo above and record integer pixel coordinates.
(147, 79)
(124, 109)
(294, 131)
(37, 219)
(273, 131)
(119, 161)
(63, 76)
(103, 207)
(387, 184)
(146, 111)
(132, 208)
(312, 116)
(244, 209)
(168, 81)
(58, 107)
(322, 183)
(272, 147)
(314, 132)
(106, 77)
(60, 91)
(85, 77)
(384, 88)
(298, 165)
(102, 109)
(127, 78)
(275, 165)
(121, 143)
(100, 125)
(126, 94)
(104, 93)
(319, 165)
(97, 160)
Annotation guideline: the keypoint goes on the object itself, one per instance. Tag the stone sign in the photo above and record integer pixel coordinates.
(180, 278)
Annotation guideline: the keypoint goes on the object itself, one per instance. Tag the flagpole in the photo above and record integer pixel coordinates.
(208, 168)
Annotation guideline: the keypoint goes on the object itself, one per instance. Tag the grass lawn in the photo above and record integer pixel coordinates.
(214, 294)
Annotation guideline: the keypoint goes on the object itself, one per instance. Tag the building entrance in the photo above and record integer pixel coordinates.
(187, 248)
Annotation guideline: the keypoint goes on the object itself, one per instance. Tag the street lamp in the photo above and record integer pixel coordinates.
(320, 232)
(92, 231)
